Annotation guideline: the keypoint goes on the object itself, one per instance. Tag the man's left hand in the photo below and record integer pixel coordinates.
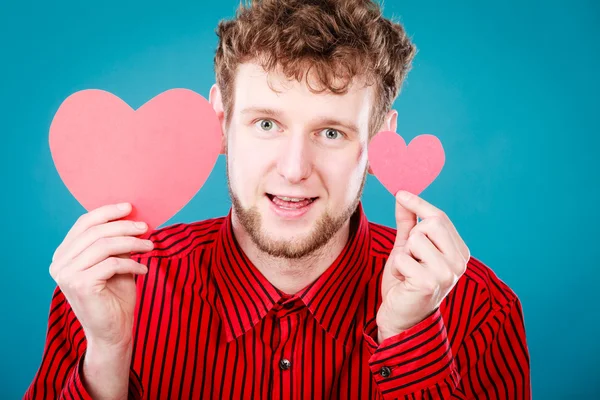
(427, 260)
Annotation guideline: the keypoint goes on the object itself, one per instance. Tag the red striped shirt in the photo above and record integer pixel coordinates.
(209, 325)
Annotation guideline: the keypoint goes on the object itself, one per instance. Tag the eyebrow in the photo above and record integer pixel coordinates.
(323, 120)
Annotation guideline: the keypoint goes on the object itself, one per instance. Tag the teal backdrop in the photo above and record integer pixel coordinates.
(510, 87)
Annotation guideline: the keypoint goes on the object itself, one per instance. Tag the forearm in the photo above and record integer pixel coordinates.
(106, 371)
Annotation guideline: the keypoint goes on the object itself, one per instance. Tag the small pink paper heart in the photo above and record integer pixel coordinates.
(156, 157)
(399, 167)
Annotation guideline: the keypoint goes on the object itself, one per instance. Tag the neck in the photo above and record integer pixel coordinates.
(292, 275)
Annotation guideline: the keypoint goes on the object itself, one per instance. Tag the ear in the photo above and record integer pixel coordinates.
(389, 124)
(216, 101)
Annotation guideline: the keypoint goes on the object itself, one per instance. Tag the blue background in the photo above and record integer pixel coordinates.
(509, 87)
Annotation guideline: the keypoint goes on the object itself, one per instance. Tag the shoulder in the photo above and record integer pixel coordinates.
(179, 240)
(487, 280)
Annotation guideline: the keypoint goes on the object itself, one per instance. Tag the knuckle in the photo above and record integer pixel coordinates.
(131, 242)
(94, 231)
(447, 279)
(420, 227)
(101, 243)
(62, 280)
(112, 262)
(440, 216)
(53, 270)
(398, 260)
(429, 286)
(58, 274)
(412, 239)
(400, 257)
(437, 222)
(415, 238)
(105, 242)
(121, 226)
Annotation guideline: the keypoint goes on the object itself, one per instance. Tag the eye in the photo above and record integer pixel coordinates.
(331, 133)
(266, 124)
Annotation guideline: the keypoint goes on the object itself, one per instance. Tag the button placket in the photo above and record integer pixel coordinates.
(284, 362)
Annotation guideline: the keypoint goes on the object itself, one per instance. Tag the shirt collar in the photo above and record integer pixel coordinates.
(245, 296)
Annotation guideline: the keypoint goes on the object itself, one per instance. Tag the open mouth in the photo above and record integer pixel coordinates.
(291, 203)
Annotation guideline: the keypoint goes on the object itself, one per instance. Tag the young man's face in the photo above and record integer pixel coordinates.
(296, 160)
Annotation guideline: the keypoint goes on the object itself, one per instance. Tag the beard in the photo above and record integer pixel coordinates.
(324, 230)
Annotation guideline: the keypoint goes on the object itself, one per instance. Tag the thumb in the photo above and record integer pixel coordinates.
(405, 221)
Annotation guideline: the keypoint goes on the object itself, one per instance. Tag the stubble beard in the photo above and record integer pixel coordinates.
(324, 230)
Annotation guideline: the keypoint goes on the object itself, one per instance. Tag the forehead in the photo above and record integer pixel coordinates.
(254, 87)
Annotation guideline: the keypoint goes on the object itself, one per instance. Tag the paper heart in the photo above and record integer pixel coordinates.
(156, 157)
(400, 167)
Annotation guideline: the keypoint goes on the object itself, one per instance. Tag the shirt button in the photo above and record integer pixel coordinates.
(385, 372)
(285, 364)
(288, 306)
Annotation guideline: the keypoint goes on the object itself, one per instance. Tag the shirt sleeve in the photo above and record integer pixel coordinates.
(60, 373)
(491, 362)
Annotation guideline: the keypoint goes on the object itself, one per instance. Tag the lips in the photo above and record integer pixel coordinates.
(290, 202)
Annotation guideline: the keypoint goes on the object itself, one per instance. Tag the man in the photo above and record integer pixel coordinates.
(293, 294)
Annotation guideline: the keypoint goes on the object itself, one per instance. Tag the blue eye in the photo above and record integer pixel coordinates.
(266, 124)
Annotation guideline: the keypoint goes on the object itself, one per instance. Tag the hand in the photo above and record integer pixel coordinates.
(427, 260)
(93, 269)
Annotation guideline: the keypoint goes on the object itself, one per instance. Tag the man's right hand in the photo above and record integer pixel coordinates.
(94, 271)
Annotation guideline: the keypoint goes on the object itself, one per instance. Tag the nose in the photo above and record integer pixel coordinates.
(294, 162)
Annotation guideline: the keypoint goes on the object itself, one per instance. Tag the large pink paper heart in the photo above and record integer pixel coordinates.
(399, 167)
(156, 157)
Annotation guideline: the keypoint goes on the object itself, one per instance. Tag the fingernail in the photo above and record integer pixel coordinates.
(123, 206)
(148, 243)
(140, 225)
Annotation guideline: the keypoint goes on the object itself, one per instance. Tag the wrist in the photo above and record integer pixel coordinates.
(383, 334)
(105, 372)
(386, 328)
(119, 347)
(101, 353)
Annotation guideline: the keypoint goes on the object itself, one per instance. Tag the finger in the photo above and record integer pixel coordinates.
(425, 210)
(412, 273)
(417, 205)
(423, 250)
(405, 267)
(110, 229)
(405, 221)
(107, 247)
(437, 231)
(97, 216)
(432, 260)
(460, 243)
(113, 266)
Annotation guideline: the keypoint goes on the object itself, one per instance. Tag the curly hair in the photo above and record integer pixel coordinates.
(338, 39)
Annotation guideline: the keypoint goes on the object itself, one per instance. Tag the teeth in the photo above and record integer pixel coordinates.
(292, 199)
